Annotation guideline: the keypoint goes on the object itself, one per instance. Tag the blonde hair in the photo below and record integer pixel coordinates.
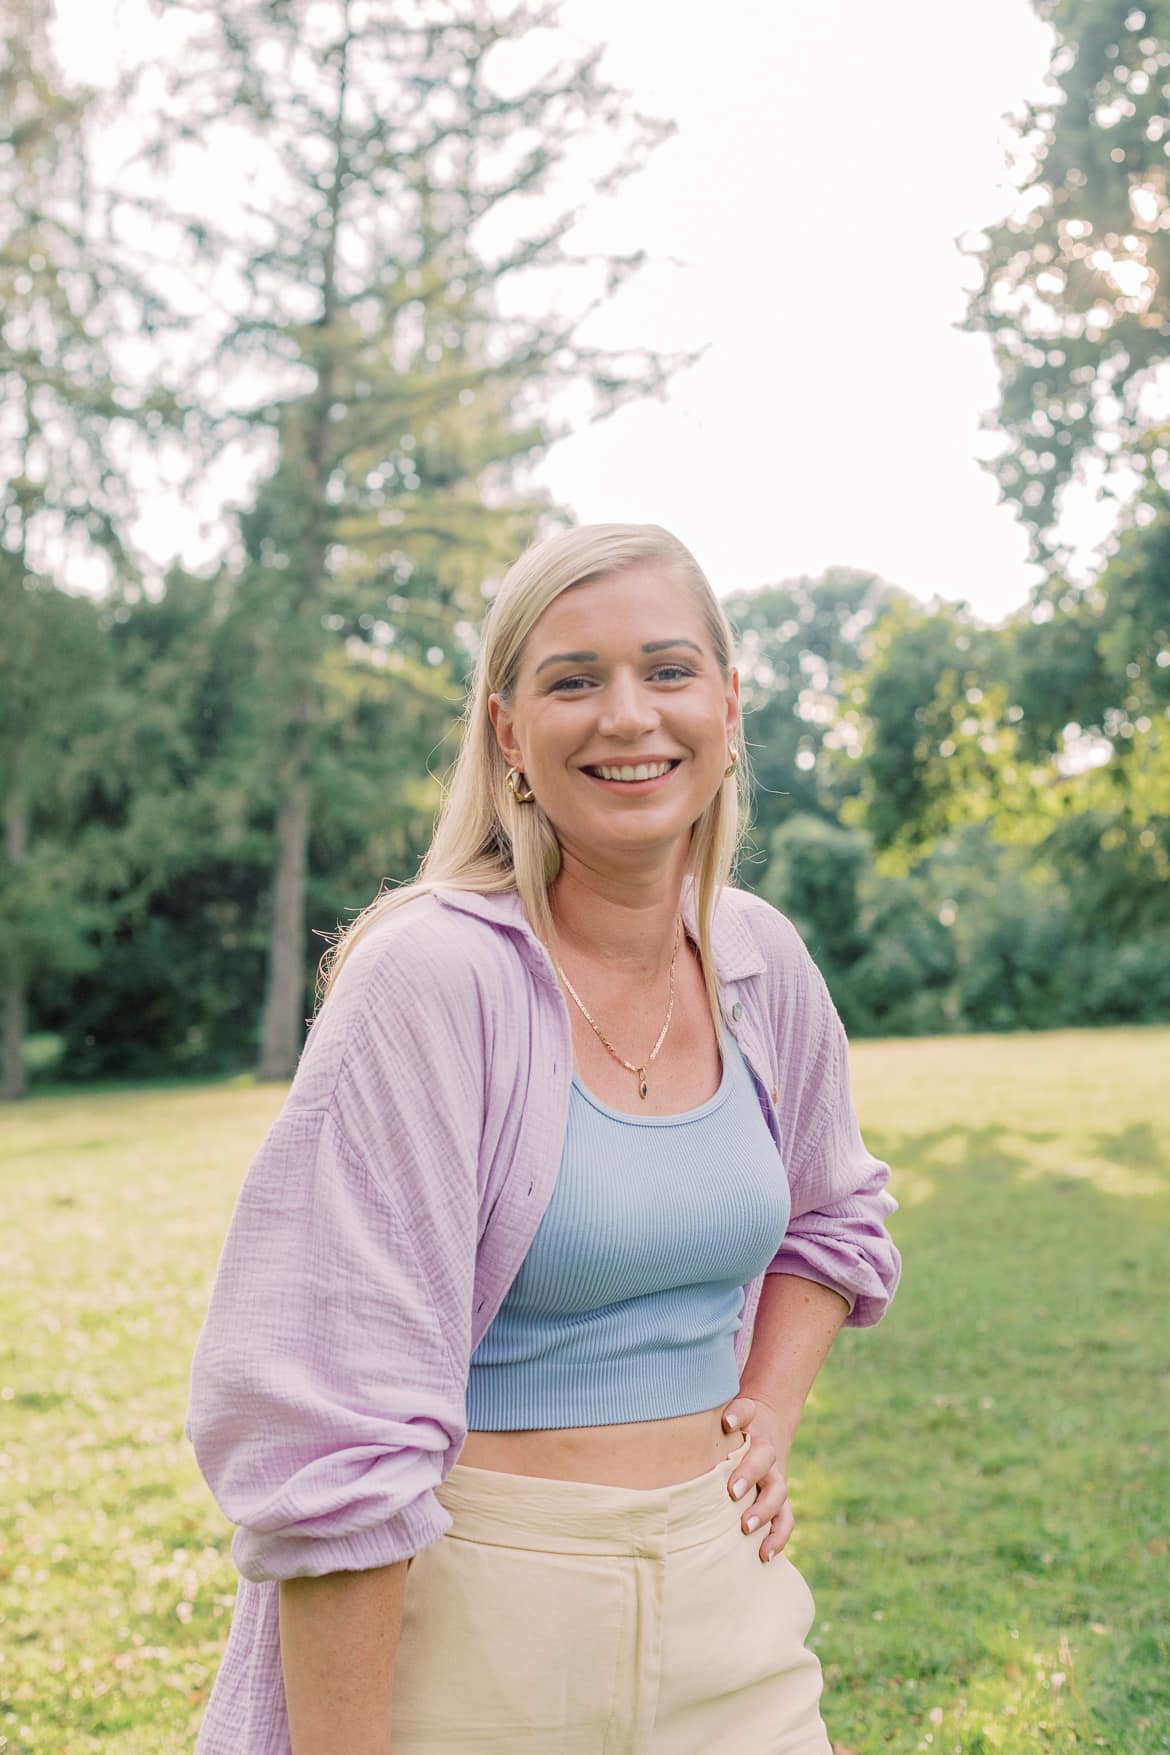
(484, 840)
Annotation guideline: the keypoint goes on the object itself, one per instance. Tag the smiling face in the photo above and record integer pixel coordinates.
(620, 718)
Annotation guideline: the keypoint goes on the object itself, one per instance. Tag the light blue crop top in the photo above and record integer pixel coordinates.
(628, 1301)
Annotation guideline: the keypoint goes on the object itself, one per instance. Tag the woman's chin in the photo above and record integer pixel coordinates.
(593, 843)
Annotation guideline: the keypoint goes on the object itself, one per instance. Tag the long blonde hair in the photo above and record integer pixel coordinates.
(484, 840)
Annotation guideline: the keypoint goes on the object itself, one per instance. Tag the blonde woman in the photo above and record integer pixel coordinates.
(572, 1129)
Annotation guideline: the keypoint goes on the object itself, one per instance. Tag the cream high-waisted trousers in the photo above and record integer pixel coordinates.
(556, 1618)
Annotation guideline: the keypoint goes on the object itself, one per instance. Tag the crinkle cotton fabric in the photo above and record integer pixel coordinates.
(391, 1205)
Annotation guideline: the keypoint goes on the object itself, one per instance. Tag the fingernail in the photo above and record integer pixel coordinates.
(752, 1523)
(732, 1422)
(738, 1489)
(768, 1555)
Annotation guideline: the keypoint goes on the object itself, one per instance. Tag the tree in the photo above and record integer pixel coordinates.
(813, 876)
(63, 499)
(937, 739)
(170, 863)
(399, 176)
(798, 642)
(886, 956)
(54, 685)
(1076, 280)
(172, 830)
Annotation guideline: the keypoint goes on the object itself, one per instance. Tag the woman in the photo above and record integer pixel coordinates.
(572, 1128)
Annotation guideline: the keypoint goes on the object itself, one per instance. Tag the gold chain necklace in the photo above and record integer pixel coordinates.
(640, 1071)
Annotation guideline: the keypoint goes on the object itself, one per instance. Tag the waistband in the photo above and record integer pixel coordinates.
(578, 1517)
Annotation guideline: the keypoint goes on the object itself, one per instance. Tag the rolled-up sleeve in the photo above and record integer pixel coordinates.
(837, 1232)
(327, 1396)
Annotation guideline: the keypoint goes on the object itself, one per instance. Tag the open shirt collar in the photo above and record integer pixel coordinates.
(734, 947)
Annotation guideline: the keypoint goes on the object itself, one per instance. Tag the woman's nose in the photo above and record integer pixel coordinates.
(628, 709)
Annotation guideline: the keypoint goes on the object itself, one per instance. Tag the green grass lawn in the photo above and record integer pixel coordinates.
(982, 1482)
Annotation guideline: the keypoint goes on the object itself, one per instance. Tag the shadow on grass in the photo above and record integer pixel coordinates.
(982, 1481)
(1131, 1163)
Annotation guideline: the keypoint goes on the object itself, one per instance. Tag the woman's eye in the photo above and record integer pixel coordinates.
(573, 685)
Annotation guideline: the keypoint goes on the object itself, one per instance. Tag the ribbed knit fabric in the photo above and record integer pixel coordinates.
(628, 1301)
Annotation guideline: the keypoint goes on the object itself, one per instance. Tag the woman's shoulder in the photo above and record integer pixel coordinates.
(420, 977)
(770, 931)
(423, 940)
(790, 979)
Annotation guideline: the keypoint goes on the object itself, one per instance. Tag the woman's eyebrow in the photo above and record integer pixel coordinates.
(566, 658)
(591, 657)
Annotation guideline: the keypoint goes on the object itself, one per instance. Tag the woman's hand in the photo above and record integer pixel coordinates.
(761, 1466)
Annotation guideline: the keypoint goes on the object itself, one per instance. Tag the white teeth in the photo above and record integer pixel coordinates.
(643, 771)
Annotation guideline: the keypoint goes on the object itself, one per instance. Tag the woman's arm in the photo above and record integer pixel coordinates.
(796, 1324)
(837, 1231)
(327, 1386)
(338, 1641)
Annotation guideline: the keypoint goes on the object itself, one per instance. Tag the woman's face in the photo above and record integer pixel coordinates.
(620, 675)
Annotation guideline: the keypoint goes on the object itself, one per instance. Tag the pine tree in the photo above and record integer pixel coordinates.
(63, 502)
(387, 148)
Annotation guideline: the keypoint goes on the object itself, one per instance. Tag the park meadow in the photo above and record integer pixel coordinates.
(982, 1482)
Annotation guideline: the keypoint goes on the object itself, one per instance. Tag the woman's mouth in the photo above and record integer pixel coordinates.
(632, 776)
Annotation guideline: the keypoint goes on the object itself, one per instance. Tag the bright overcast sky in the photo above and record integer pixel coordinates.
(828, 154)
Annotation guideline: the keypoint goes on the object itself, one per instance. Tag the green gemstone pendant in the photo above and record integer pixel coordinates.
(643, 1087)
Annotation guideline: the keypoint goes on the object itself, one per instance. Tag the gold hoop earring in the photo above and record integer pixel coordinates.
(730, 768)
(515, 774)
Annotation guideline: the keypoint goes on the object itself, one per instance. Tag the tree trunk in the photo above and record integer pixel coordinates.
(13, 1073)
(282, 1031)
(14, 1080)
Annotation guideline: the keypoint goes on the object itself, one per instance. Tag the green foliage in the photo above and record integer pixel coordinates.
(1018, 970)
(903, 982)
(949, 863)
(60, 487)
(797, 643)
(907, 693)
(813, 874)
(1076, 288)
(64, 504)
(878, 941)
(55, 678)
(179, 841)
(970, 825)
(1015, 892)
(169, 857)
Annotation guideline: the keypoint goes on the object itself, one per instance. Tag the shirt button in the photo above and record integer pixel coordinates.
(737, 1011)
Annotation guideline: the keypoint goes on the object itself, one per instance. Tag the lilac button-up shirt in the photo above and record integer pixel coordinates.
(391, 1206)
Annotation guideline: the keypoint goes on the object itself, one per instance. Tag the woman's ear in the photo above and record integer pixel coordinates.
(733, 703)
(502, 725)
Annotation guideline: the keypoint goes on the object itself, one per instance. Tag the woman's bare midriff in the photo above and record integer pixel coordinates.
(642, 1453)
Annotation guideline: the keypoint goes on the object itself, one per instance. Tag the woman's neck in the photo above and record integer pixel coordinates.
(629, 924)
